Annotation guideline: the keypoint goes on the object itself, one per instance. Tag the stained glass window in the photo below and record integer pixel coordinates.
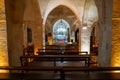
(60, 31)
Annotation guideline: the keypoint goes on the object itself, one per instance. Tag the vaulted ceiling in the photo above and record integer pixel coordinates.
(60, 12)
(80, 9)
(75, 12)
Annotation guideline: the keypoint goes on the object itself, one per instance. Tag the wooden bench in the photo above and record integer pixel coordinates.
(99, 73)
(48, 53)
(85, 58)
(25, 75)
(96, 76)
(58, 52)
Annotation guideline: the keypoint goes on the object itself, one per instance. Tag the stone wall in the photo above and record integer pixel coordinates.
(3, 37)
(115, 60)
(33, 20)
(3, 45)
(115, 57)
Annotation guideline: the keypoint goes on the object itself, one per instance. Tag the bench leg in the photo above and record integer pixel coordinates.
(54, 63)
(62, 75)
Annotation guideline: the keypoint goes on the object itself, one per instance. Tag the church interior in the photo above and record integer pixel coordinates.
(68, 33)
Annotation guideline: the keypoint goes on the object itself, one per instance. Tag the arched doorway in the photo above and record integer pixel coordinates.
(61, 31)
(94, 39)
(77, 35)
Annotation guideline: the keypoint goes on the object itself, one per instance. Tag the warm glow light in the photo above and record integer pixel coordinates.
(3, 38)
(36, 50)
(118, 71)
(85, 45)
(115, 58)
(3, 61)
(2, 21)
(85, 48)
(84, 28)
(4, 71)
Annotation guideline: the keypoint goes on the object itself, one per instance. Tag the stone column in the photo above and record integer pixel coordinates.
(79, 44)
(105, 31)
(14, 16)
(43, 28)
(85, 40)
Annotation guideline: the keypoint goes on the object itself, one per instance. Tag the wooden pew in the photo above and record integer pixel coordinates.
(76, 53)
(49, 50)
(101, 73)
(58, 52)
(27, 76)
(48, 53)
(86, 58)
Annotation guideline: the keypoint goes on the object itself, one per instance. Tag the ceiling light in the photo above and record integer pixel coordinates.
(84, 27)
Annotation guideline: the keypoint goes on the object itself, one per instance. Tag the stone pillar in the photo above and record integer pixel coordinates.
(14, 16)
(79, 46)
(85, 40)
(43, 28)
(105, 25)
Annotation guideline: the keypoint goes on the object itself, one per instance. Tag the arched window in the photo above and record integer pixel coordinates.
(61, 30)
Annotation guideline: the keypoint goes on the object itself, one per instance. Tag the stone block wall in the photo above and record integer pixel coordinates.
(3, 37)
(33, 20)
(3, 45)
(115, 57)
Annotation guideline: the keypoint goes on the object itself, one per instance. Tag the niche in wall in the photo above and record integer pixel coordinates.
(29, 35)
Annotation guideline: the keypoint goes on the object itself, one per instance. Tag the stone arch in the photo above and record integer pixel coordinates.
(101, 10)
(94, 38)
(49, 9)
(69, 6)
(95, 24)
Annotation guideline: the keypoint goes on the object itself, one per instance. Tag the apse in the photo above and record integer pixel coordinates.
(61, 31)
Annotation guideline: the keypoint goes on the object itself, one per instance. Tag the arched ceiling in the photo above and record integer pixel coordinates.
(84, 10)
(79, 5)
(60, 12)
(75, 5)
(90, 15)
